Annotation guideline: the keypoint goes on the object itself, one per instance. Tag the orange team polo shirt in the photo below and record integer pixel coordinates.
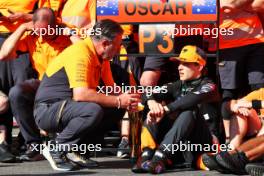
(82, 66)
(256, 95)
(25, 6)
(55, 5)
(79, 12)
(246, 29)
(42, 51)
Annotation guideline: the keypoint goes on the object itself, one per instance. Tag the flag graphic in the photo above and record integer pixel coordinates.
(107, 7)
(204, 6)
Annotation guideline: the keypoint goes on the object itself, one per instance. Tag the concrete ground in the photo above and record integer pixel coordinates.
(108, 166)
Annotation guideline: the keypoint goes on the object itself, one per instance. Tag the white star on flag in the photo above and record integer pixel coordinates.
(198, 2)
(102, 3)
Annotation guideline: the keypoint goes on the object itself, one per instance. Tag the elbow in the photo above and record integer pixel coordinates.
(2, 56)
(83, 95)
(78, 98)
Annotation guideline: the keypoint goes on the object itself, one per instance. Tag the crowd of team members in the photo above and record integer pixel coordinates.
(49, 84)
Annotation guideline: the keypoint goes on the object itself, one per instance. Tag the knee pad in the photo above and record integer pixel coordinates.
(15, 92)
(227, 96)
(225, 111)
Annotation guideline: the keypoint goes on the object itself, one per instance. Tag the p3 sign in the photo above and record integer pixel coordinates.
(156, 11)
(155, 39)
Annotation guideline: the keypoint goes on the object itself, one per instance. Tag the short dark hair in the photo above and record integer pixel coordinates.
(109, 29)
(51, 19)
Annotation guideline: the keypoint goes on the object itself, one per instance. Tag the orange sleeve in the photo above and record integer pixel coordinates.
(77, 66)
(255, 95)
(22, 44)
(92, 10)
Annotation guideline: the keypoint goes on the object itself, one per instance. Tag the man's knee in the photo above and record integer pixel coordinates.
(96, 113)
(185, 118)
(189, 113)
(16, 93)
(4, 103)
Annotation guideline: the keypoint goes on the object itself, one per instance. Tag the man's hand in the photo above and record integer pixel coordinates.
(242, 103)
(156, 108)
(240, 106)
(18, 16)
(152, 118)
(28, 26)
(244, 111)
(233, 106)
(4, 18)
(129, 101)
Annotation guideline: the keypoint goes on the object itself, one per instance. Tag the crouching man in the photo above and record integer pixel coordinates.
(181, 121)
(67, 100)
(5, 153)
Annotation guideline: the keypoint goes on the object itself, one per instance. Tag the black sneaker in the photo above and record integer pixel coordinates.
(147, 156)
(123, 149)
(82, 159)
(158, 163)
(142, 165)
(255, 169)
(32, 153)
(210, 162)
(58, 160)
(5, 155)
(234, 163)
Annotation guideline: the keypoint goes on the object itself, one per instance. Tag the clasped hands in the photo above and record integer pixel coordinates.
(241, 106)
(156, 113)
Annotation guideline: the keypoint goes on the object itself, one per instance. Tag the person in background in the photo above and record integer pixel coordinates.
(42, 49)
(241, 53)
(12, 15)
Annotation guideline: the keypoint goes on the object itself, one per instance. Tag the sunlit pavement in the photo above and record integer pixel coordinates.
(108, 166)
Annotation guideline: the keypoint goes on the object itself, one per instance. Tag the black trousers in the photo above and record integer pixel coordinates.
(76, 122)
(22, 98)
(188, 126)
(11, 73)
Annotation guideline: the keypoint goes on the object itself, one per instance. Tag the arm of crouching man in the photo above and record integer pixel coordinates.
(124, 100)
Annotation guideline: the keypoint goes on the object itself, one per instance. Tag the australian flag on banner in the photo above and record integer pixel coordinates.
(107, 7)
(204, 7)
